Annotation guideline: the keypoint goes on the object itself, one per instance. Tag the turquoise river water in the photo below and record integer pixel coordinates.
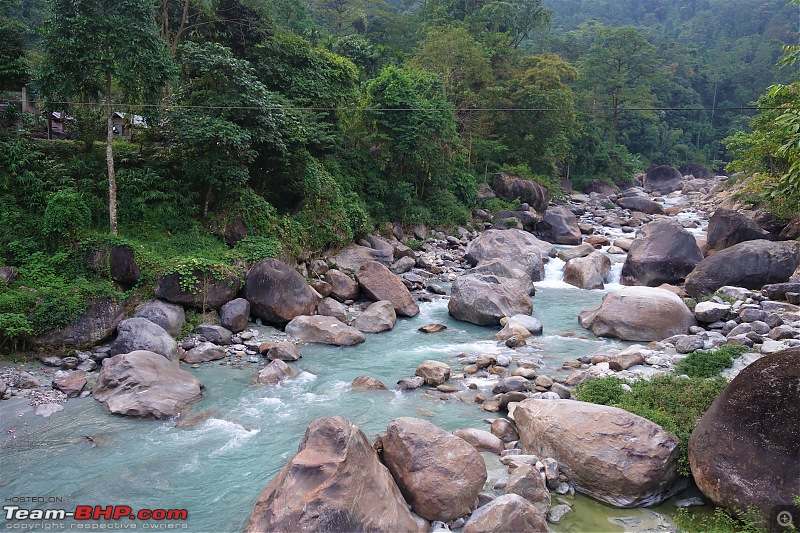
(244, 433)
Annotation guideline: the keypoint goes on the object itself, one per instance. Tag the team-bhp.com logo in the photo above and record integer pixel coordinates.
(151, 518)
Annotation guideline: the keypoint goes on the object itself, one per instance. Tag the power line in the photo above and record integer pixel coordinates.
(408, 109)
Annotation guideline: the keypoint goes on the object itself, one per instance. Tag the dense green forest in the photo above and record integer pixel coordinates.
(306, 123)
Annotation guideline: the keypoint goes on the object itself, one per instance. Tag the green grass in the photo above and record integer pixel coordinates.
(674, 404)
(709, 363)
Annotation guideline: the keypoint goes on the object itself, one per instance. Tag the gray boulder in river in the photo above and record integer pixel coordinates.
(518, 249)
(639, 314)
(745, 451)
(661, 252)
(484, 299)
(439, 474)
(663, 179)
(96, 325)
(608, 453)
(277, 293)
(560, 226)
(169, 316)
(335, 482)
(750, 264)
(323, 330)
(140, 334)
(145, 384)
(727, 227)
(590, 272)
(378, 283)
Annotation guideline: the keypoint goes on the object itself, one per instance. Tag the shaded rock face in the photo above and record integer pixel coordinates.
(727, 227)
(662, 252)
(378, 283)
(343, 287)
(376, 318)
(526, 481)
(745, 449)
(590, 272)
(136, 334)
(559, 225)
(639, 314)
(234, 315)
(750, 264)
(511, 187)
(439, 474)
(352, 257)
(600, 187)
(323, 330)
(643, 205)
(169, 316)
(335, 482)
(206, 291)
(485, 299)
(663, 178)
(509, 512)
(145, 384)
(119, 262)
(698, 171)
(277, 293)
(517, 248)
(96, 325)
(608, 453)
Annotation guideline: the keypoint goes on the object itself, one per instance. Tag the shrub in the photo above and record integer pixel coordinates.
(706, 364)
(674, 404)
(66, 216)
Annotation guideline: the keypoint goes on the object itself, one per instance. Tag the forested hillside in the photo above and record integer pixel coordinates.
(288, 127)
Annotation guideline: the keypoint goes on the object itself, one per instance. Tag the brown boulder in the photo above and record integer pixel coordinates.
(275, 372)
(354, 256)
(433, 372)
(526, 481)
(506, 513)
(365, 383)
(513, 187)
(323, 330)
(481, 440)
(744, 451)
(608, 453)
(378, 317)
(439, 474)
(590, 272)
(639, 314)
(343, 287)
(335, 482)
(71, 383)
(516, 248)
(378, 283)
(145, 384)
(277, 293)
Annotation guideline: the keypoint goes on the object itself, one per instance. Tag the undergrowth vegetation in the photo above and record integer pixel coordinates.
(709, 363)
(673, 403)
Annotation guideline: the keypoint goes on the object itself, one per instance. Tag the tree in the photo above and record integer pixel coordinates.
(92, 46)
(218, 115)
(618, 72)
(13, 67)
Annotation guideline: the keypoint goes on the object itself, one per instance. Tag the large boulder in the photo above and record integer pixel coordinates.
(663, 179)
(439, 474)
(727, 227)
(343, 287)
(169, 316)
(119, 262)
(380, 316)
(335, 482)
(145, 384)
(639, 314)
(378, 283)
(138, 333)
(204, 352)
(513, 187)
(235, 314)
(641, 204)
(608, 453)
(745, 450)
(277, 293)
(352, 257)
(496, 267)
(662, 252)
(750, 264)
(323, 330)
(590, 272)
(95, 325)
(484, 299)
(518, 249)
(559, 225)
(697, 171)
(199, 289)
(509, 512)
(275, 372)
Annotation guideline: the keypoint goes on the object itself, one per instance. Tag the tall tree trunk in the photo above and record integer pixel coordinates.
(112, 178)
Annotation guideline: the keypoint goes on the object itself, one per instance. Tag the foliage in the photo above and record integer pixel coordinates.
(673, 403)
(14, 69)
(709, 363)
(66, 216)
(722, 521)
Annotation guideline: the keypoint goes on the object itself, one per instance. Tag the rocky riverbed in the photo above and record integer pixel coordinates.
(655, 238)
